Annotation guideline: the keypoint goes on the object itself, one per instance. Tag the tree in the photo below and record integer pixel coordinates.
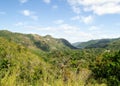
(108, 69)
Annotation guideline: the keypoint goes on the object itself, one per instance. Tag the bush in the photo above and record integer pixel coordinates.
(108, 69)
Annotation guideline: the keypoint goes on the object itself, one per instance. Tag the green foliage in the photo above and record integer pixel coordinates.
(107, 69)
(33, 60)
(85, 44)
(103, 43)
(42, 46)
(34, 41)
(19, 63)
(111, 44)
(22, 66)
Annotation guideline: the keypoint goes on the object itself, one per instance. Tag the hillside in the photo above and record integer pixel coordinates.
(19, 66)
(45, 43)
(33, 60)
(84, 44)
(101, 43)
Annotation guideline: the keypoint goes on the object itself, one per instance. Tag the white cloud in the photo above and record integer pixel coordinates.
(60, 21)
(69, 32)
(76, 9)
(23, 1)
(85, 19)
(76, 18)
(99, 7)
(47, 1)
(94, 28)
(26, 12)
(30, 14)
(19, 24)
(109, 8)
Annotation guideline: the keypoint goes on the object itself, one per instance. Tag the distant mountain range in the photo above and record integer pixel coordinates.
(45, 43)
(101, 43)
(48, 43)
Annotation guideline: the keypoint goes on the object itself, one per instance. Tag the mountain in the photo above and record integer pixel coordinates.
(76, 44)
(18, 65)
(65, 42)
(84, 44)
(101, 43)
(24, 61)
(45, 43)
(115, 44)
(21, 65)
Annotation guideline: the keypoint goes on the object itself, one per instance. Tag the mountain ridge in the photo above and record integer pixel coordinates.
(98, 43)
(45, 43)
(30, 59)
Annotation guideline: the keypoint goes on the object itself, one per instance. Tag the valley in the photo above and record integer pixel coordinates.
(34, 60)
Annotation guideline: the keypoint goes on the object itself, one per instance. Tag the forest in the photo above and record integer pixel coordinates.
(34, 60)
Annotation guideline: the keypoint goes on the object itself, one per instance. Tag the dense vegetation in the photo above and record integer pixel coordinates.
(101, 43)
(107, 69)
(33, 60)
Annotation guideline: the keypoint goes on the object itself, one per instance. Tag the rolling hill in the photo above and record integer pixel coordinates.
(45, 43)
(34, 60)
(21, 65)
(101, 43)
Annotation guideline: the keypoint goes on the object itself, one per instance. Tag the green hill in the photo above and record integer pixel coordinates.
(102, 43)
(45, 43)
(33, 60)
(19, 66)
(84, 44)
(23, 62)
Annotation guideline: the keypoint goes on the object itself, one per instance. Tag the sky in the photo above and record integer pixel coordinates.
(74, 20)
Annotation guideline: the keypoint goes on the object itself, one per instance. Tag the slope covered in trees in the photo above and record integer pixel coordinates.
(102, 43)
(45, 43)
(30, 59)
(21, 66)
(18, 66)
(107, 69)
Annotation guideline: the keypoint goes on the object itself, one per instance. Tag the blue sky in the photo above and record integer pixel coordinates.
(74, 20)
